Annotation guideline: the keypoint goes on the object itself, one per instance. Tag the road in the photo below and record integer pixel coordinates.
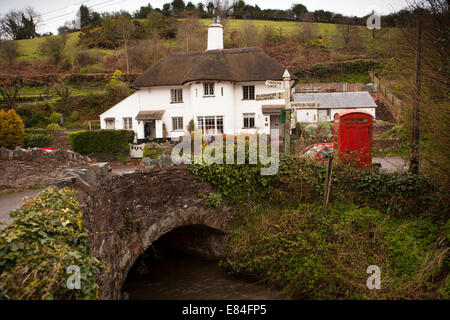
(13, 201)
(391, 164)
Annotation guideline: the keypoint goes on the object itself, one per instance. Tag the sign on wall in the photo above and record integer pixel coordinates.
(270, 96)
(275, 84)
(305, 105)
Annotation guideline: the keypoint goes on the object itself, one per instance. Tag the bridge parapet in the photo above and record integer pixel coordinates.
(127, 213)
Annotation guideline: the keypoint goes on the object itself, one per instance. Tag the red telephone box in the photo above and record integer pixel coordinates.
(352, 136)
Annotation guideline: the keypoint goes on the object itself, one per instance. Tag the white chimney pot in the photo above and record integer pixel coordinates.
(215, 35)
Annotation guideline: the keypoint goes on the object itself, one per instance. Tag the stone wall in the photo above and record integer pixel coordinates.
(23, 168)
(127, 213)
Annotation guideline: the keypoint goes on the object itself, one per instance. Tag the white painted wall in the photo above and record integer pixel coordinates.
(306, 115)
(227, 102)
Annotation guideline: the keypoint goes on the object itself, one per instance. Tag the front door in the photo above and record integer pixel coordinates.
(275, 122)
(150, 130)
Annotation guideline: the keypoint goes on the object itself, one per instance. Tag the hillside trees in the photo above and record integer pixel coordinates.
(125, 29)
(20, 24)
(10, 91)
(192, 34)
(55, 48)
(9, 51)
(299, 10)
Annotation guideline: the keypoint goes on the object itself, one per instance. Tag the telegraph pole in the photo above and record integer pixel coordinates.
(288, 111)
(415, 145)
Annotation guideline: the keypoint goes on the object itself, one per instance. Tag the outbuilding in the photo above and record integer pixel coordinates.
(322, 107)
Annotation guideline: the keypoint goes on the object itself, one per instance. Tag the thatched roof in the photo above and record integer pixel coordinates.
(236, 65)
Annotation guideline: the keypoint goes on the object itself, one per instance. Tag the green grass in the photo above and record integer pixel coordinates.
(330, 32)
(29, 48)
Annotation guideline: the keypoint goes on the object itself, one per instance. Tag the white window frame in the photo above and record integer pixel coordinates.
(210, 125)
(248, 117)
(110, 121)
(208, 89)
(176, 95)
(248, 92)
(127, 123)
(177, 124)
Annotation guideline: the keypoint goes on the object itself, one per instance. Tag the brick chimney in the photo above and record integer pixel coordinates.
(215, 35)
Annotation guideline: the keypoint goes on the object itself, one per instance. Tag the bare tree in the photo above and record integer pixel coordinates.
(221, 7)
(248, 35)
(125, 29)
(10, 91)
(192, 33)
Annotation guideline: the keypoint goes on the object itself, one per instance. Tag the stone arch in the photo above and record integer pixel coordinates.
(127, 213)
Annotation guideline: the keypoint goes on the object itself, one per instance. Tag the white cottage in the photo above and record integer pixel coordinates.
(215, 88)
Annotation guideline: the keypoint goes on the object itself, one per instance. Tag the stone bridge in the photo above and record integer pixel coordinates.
(126, 214)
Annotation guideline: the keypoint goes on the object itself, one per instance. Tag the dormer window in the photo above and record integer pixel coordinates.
(208, 89)
(176, 95)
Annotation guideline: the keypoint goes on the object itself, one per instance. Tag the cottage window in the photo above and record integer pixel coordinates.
(249, 120)
(208, 89)
(177, 123)
(249, 92)
(110, 124)
(176, 95)
(128, 123)
(210, 124)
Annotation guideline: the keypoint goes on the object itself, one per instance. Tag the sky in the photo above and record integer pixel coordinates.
(55, 12)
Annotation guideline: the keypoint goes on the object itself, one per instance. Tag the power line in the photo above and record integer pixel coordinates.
(57, 18)
(56, 10)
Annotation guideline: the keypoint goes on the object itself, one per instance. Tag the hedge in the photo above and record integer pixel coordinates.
(37, 140)
(101, 141)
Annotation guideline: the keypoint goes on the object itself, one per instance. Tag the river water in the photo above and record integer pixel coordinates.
(182, 277)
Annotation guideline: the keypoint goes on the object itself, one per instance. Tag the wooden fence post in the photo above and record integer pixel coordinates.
(327, 185)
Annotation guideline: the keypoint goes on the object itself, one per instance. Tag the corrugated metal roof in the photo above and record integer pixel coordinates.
(338, 100)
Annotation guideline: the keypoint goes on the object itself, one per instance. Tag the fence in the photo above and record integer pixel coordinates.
(394, 104)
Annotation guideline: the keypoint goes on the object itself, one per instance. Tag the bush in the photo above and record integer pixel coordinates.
(74, 117)
(325, 256)
(11, 129)
(93, 68)
(44, 239)
(109, 141)
(53, 128)
(37, 140)
(54, 117)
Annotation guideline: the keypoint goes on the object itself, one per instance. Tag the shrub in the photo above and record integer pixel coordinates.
(325, 256)
(53, 128)
(74, 117)
(44, 239)
(37, 140)
(54, 117)
(109, 141)
(93, 68)
(11, 129)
